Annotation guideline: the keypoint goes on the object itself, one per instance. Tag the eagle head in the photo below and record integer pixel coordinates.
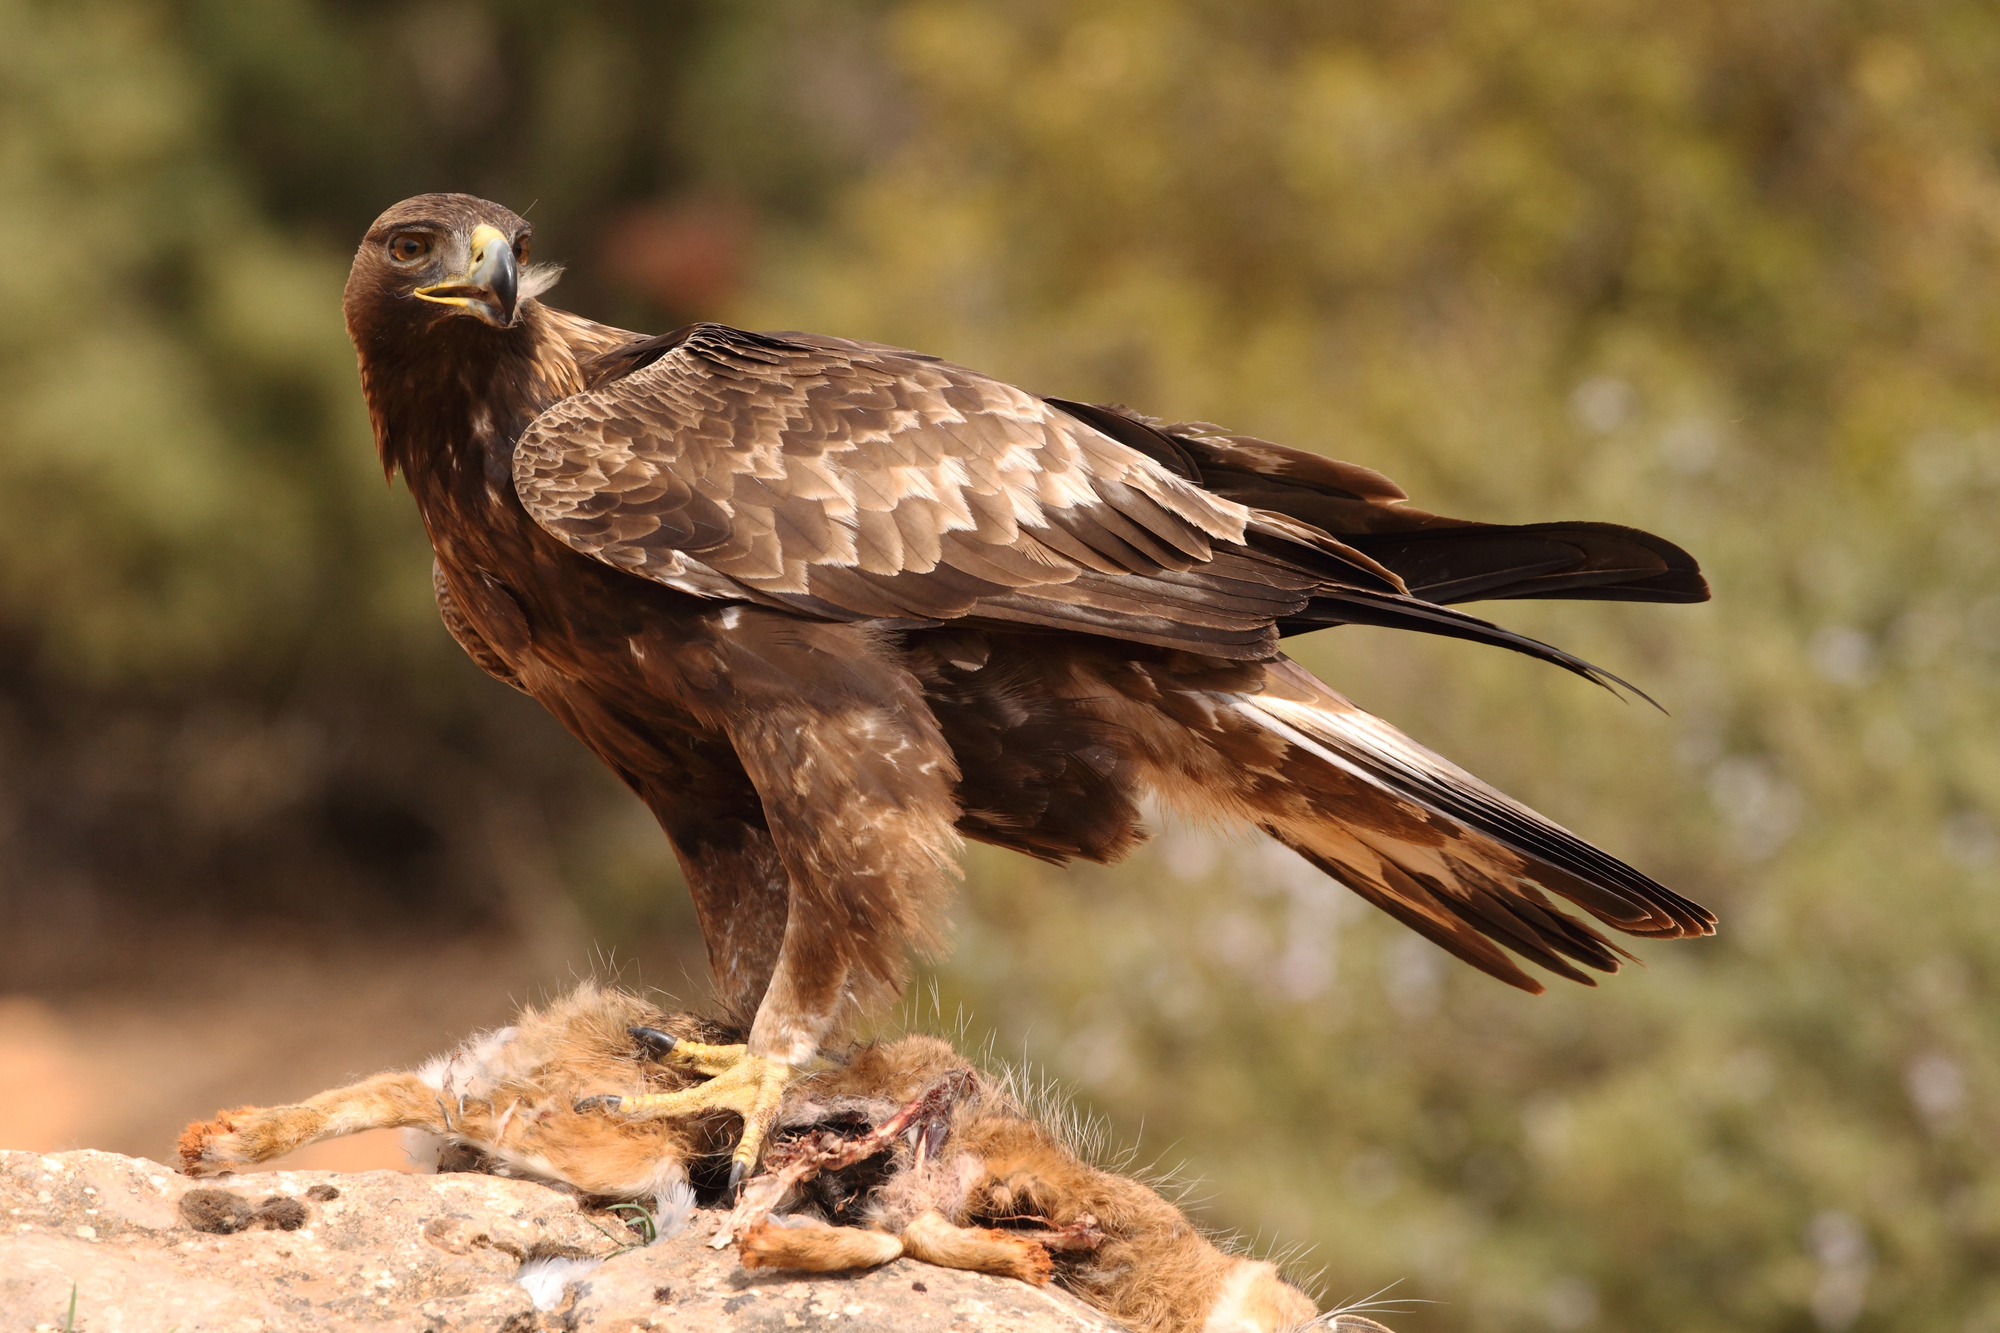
(440, 304)
(441, 256)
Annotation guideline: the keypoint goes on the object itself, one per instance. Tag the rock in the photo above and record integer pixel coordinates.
(146, 1249)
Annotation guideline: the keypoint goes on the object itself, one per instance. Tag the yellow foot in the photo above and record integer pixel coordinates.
(747, 1084)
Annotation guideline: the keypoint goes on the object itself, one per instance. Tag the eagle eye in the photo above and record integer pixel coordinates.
(408, 247)
(521, 250)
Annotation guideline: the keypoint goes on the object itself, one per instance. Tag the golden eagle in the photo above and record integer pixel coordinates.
(827, 606)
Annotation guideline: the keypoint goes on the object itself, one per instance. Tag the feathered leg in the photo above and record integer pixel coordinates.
(856, 786)
(741, 891)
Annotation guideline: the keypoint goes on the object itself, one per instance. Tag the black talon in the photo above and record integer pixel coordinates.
(603, 1101)
(737, 1170)
(659, 1044)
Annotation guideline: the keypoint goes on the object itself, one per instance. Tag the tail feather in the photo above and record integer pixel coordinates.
(1456, 860)
(1354, 606)
(1445, 920)
(1605, 562)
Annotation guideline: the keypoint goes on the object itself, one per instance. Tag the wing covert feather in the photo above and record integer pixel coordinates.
(848, 479)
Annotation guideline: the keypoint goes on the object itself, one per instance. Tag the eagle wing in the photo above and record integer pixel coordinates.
(848, 480)
(1439, 559)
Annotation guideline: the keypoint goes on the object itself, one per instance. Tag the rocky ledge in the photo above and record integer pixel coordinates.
(130, 1246)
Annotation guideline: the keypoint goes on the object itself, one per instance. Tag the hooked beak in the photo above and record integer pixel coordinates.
(490, 287)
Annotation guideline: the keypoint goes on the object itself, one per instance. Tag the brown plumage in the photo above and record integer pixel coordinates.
(827, 605)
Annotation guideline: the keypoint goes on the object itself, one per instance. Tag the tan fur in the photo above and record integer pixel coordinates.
(1154, 1270)
(1254, 1299)
(811, 1246)
(931, 1238)
(973, 1182)
(254, 1134)
(510, 1096)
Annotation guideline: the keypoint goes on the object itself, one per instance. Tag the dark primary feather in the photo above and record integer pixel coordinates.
(1441, 560)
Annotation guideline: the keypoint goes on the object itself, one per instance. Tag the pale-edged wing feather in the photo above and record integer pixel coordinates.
(849, 480)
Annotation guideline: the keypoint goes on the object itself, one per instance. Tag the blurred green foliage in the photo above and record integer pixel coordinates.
(1727, 272)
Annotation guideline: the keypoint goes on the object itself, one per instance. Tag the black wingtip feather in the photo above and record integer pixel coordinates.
(1358, 607)
(1465, 562)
